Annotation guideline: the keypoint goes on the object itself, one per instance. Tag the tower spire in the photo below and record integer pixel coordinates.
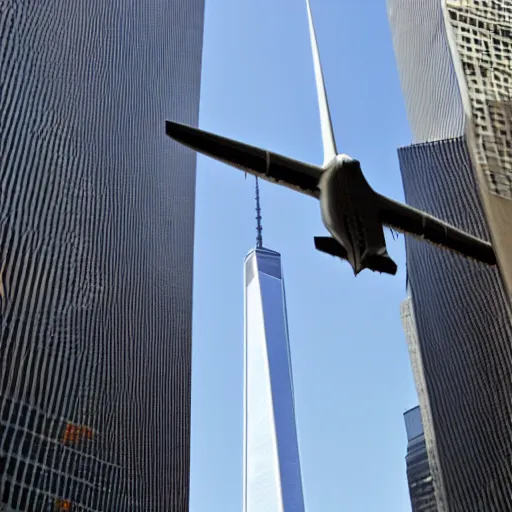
(259, 228)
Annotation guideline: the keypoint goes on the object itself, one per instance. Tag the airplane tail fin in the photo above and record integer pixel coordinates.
(379, 262)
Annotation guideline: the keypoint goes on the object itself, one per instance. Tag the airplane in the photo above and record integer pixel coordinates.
(353, 213)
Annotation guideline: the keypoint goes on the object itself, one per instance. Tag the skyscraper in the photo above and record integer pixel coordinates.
(460, 309)
(462, 86)
(96, 246)
(419, 477)
(429, 435)
(272, 476)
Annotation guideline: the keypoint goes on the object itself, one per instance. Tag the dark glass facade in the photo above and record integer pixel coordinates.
(419, 476)
(96, 253)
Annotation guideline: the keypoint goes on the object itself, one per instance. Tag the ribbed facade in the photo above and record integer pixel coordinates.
(272, 475)
(464, 330)
(454, 92)
(419, 477)
(429, 82)
(454, 58)
(96, 248)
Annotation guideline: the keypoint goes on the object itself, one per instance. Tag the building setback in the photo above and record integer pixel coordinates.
(461, 311)
(272, 475)
(96, 248)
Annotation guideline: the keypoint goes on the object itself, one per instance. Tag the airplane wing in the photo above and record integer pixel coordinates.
(250, 159)
(411, 221)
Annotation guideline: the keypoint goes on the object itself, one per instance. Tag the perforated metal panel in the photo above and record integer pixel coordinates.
(96, 246)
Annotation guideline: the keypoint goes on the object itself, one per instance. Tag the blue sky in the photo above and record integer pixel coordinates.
(351, 368)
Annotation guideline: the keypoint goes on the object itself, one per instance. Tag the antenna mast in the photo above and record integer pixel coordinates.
(259, 228)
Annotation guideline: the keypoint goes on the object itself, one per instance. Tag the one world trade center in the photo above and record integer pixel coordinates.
(272, 476)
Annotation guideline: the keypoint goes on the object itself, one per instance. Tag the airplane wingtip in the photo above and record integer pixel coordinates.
(181, 132)
(171, 127)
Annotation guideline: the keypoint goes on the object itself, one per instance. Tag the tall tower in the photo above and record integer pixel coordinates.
(272, 476)
(96, 253)
(456, 169)
(462, 86)
(421, 488)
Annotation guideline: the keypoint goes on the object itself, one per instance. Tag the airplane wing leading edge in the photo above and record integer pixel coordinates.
(250, 159)
(413, 222)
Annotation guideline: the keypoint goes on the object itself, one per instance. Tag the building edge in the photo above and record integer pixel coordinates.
(409, 326)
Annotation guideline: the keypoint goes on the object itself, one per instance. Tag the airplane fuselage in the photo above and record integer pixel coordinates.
(350, 213)
(339, 213)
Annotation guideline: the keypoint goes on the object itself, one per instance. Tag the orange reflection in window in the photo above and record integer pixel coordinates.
(75, 433)
(62, 505)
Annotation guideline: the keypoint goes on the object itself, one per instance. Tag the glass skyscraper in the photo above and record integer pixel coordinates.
(419, 477)
(458, 316)
(96, 253)
(272, 475)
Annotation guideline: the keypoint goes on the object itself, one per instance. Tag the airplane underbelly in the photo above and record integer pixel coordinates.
(339, 214)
